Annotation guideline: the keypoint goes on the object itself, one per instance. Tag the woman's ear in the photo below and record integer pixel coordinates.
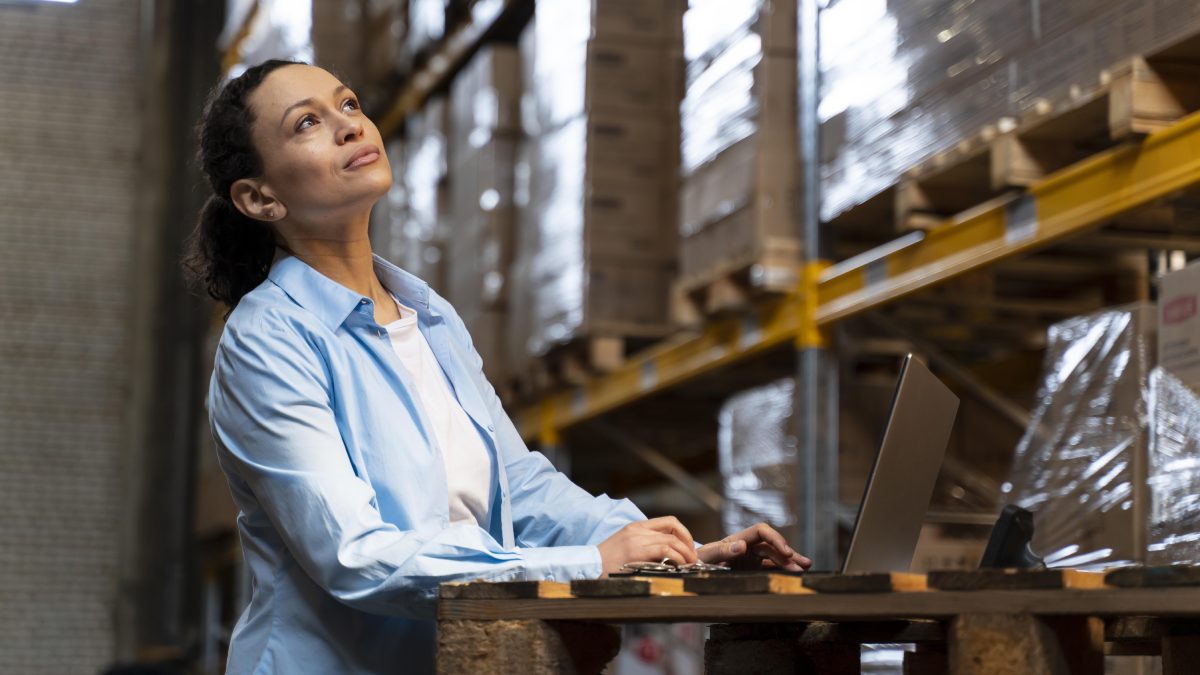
(256, 201)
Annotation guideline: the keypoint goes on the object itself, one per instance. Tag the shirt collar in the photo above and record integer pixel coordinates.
(333, 302)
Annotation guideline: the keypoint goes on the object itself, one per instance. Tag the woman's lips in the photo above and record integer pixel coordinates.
(364, 159)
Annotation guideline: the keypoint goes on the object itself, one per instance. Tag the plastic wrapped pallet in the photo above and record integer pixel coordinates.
(1078, 463)
(426, 26)
(902, 81)
(484, 105)
(739, 146)
(1174, 528)
(599, 112)
(1175, 423)
(386, 28)
(757, 455)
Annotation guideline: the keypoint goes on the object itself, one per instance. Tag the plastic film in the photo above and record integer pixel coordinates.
(725, 44)
(426, 25)
(1074, 467)
(1174, 534)
(903, 81)
(757, 457)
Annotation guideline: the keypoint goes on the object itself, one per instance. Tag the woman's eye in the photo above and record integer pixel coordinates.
(309, 118)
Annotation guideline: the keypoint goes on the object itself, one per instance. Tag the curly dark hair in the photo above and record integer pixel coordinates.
(229, 253)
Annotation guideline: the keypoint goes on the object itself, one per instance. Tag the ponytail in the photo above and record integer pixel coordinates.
(229, 254)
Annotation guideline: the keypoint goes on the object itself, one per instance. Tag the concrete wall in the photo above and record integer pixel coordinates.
(70, 134)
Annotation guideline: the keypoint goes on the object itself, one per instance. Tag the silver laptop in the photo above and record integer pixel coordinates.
(901, 482)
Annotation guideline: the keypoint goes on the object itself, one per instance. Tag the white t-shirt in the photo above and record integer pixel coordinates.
(468, 463)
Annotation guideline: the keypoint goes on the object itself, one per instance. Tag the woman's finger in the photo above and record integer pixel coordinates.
(722, 551)
(769, 552)
(768, 534)
(671, 524)
(688, 553)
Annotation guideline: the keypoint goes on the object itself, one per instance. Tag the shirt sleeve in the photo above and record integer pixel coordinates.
(548, 509)
(277, 434)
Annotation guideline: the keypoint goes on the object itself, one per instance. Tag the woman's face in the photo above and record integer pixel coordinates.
(311, 134)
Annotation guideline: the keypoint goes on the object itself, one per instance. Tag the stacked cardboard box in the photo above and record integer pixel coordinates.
(484, 124)
(902, 81)
(596, 246)
(739, 149)
(1174, 401)
(385, 28)
(407, 226)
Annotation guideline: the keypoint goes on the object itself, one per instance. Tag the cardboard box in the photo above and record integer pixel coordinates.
(485, 100)
(740, 207)
(480, 252)
(488, 334)
(1179, 325)
(639, 21)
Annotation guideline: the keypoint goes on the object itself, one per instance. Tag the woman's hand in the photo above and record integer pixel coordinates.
(648, 541)
(756, 547)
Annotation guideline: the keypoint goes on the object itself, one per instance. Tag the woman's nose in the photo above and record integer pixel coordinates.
(350, 130)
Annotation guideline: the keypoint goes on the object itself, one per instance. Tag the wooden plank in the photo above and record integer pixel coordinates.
(745, 584)
(1146, 97)
(1169, 576)
(1180, 654)
(504, 590)
(622, 587)
(1017, 161)
(866, 583)
(1173, 602)
(856, 632)
(1011, 579)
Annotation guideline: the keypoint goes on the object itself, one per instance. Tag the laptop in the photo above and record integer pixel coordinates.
(901, 482)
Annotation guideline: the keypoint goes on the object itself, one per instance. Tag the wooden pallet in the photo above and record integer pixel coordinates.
(574, 363)
(1138, 96)
(979, 621)
(736, 286)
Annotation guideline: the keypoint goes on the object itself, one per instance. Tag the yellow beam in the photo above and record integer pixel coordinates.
(233, 55)
(443, 63)
(719, 345)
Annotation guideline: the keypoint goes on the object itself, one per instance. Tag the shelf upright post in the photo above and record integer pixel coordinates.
(816, 398)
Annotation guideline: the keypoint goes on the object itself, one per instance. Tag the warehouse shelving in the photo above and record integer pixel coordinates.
(1064, 205)
(1068, 203)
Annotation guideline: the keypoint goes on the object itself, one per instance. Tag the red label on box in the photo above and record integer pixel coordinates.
(1179, 310)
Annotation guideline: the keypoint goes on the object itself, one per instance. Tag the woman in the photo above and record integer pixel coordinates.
(367, 453)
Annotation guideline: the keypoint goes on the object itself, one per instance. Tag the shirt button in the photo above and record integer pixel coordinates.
(491, 427)
(363, 301)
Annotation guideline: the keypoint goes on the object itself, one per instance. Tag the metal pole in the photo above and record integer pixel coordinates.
(816, 403)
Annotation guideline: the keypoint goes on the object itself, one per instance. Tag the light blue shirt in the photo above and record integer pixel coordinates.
(344, 517)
